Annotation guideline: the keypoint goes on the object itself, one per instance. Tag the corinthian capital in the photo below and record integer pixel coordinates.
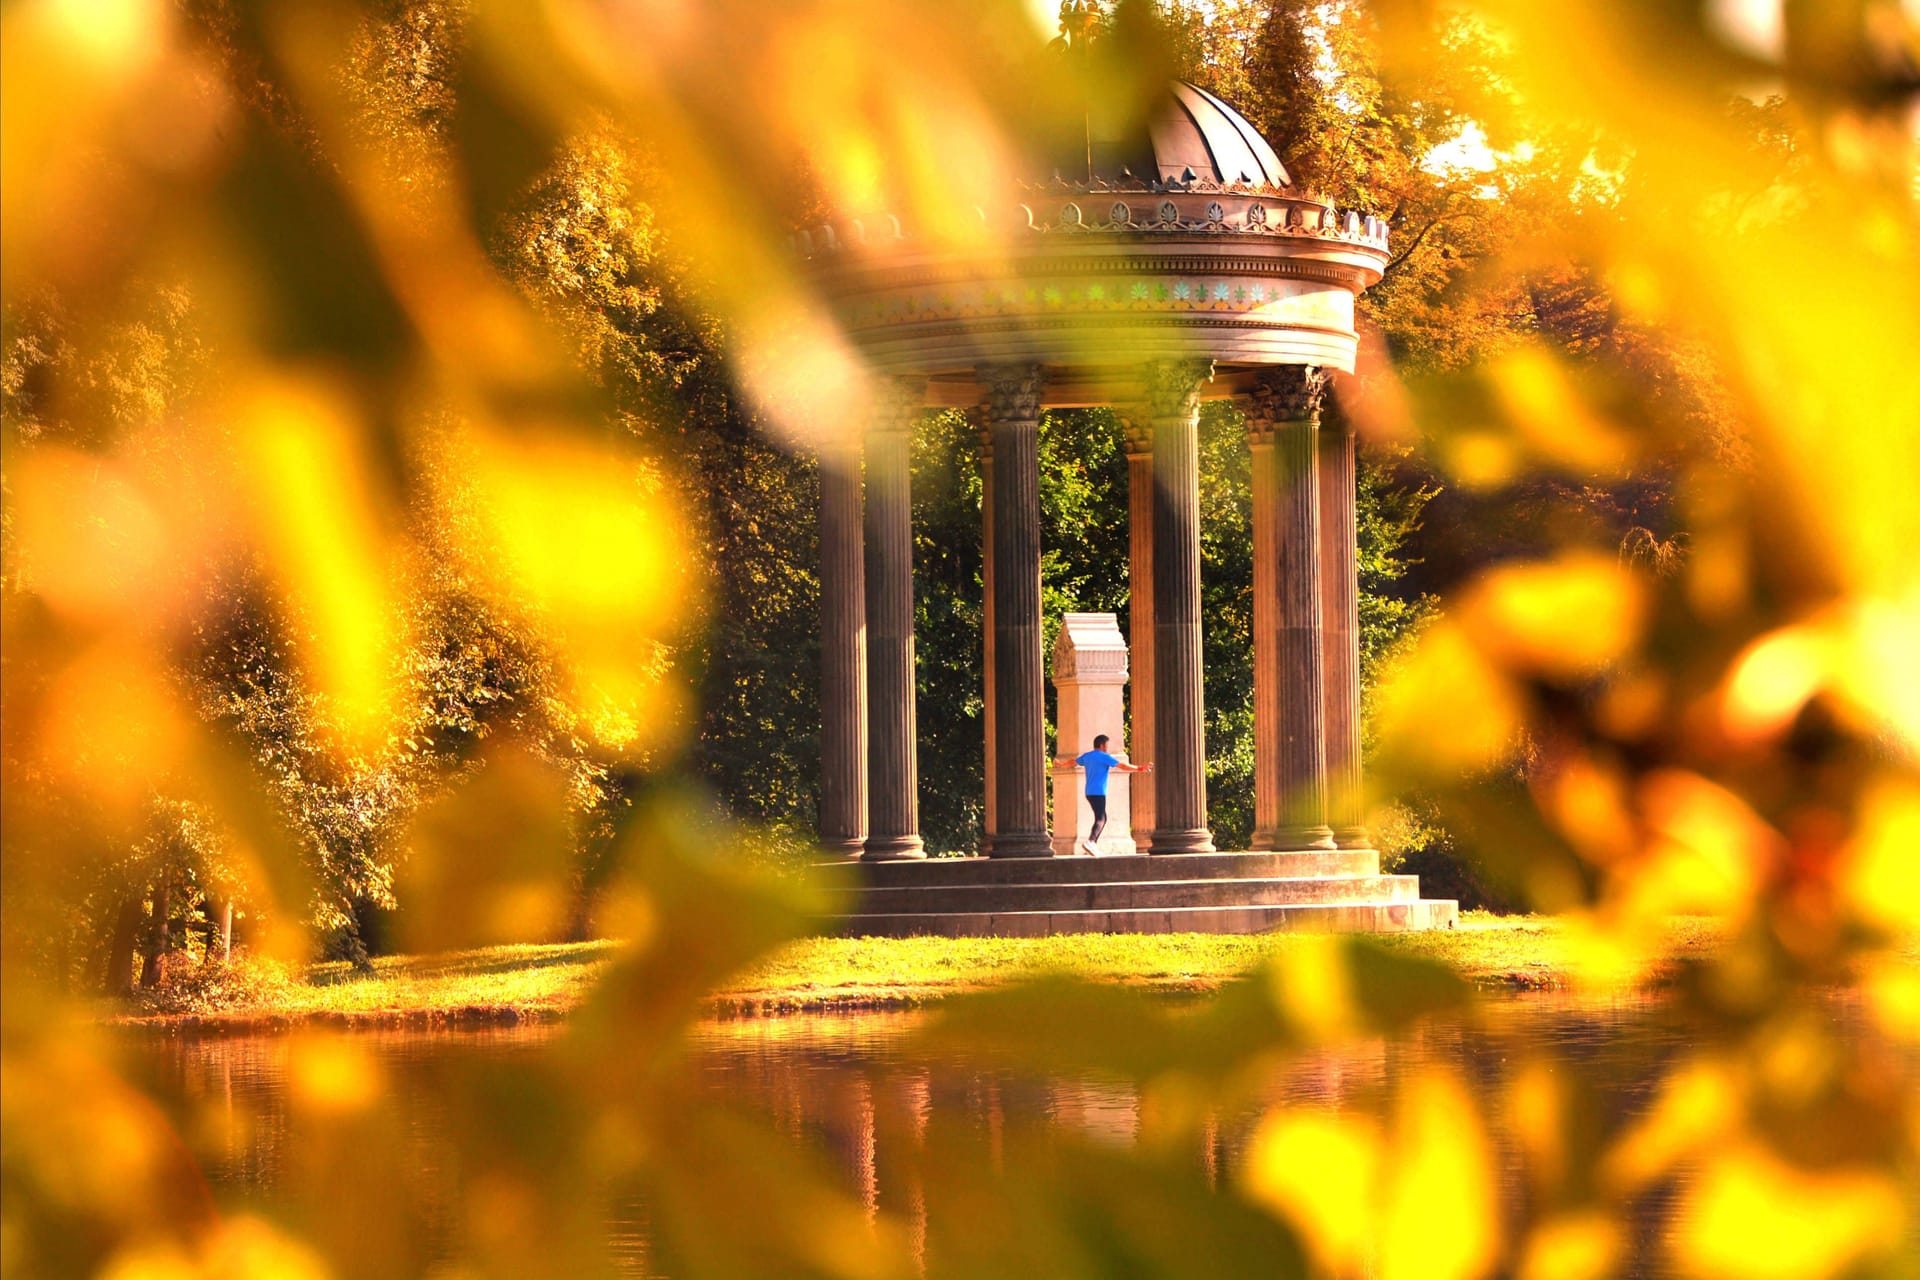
(898, 401)
(1287, 393)
(1013, 390)
(1172, 387)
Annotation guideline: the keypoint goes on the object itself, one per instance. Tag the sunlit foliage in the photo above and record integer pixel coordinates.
(334, 553)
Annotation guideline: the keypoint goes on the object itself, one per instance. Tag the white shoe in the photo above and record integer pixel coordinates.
(1094, 848)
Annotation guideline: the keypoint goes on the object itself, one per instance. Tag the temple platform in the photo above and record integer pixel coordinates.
(1332, 891)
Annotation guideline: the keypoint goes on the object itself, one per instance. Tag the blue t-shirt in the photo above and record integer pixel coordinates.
(1097, 764)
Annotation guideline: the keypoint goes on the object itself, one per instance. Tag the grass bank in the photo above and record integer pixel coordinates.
(507, 985)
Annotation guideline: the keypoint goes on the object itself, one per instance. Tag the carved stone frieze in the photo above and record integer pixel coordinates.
(1013, 391)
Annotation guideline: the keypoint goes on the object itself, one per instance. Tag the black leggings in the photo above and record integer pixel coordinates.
(1099, 806)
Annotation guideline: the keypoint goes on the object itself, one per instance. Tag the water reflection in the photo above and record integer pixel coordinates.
(860, 1090)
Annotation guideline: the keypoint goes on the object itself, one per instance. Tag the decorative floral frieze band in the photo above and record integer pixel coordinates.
(1140, 295)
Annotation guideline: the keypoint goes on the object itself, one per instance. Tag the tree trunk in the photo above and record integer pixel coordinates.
(157, 936)
(118, 980)
(222, 941)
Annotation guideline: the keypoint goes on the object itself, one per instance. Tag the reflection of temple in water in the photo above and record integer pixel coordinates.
(923, 1138)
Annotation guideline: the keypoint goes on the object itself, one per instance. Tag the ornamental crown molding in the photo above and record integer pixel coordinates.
(1090, 650)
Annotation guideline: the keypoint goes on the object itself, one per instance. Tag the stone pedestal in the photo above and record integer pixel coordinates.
(1090, 684)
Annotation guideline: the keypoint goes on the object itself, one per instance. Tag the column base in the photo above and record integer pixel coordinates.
(1352, 838)
(1022, 844)
(1194, 840)
(843, 846)
(893, 848)
(1292, 839)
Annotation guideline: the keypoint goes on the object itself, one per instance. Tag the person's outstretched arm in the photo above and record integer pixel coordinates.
(1124, 767)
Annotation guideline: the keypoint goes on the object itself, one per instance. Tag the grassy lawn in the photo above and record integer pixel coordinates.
(1500, 952)
(540, 983)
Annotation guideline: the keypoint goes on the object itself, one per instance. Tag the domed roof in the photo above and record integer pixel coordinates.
(1187, 133)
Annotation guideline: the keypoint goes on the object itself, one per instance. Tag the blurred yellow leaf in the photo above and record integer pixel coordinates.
(588, 541)
(90, 543)
(1553, 416)
(1771, 680)
(326, 551)
(333, 1075)
(113, 728)
(1567, 618)
(1313, 986)
(1319, 1170)
(1707, 851)
(1699, 1101)
(1892, 988)
(1590, 804)
(249, 1246)
(491, 861)
(1447, 681)
(1441, 1214)
(1748, 1215)
(1880, 862)
(1536, 1112)
(1577, 1246)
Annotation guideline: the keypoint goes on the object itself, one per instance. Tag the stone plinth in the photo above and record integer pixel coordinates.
(1090, 685)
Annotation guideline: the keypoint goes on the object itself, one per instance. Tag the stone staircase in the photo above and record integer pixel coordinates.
(1318, 891)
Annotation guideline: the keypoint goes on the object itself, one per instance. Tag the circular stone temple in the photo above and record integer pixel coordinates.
(1154, 258)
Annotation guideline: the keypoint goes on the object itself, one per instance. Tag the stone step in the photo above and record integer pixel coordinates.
(1119, 895)
(1083, 870)
(1347, 917)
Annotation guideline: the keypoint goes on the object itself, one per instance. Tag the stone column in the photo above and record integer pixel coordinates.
(843, 657)
(1289, 694)
(1140, 614)
(1340, 617)
(893, 802)
(1180, 758)
(1020, 745)
(979, 419)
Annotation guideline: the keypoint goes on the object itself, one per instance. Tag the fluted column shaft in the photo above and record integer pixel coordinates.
(1140, 736)
(893, 802)
(1289, 694)
(1020, 762)
(990, 818)
(843, 657)
(1340, 614)
(1180, 764)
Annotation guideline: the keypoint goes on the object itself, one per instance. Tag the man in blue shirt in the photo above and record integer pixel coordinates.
(1098, 763)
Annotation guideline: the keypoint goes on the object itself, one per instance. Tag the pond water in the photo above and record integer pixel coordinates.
(828, 1084)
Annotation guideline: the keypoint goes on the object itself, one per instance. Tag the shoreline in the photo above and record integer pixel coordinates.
(509, 987)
